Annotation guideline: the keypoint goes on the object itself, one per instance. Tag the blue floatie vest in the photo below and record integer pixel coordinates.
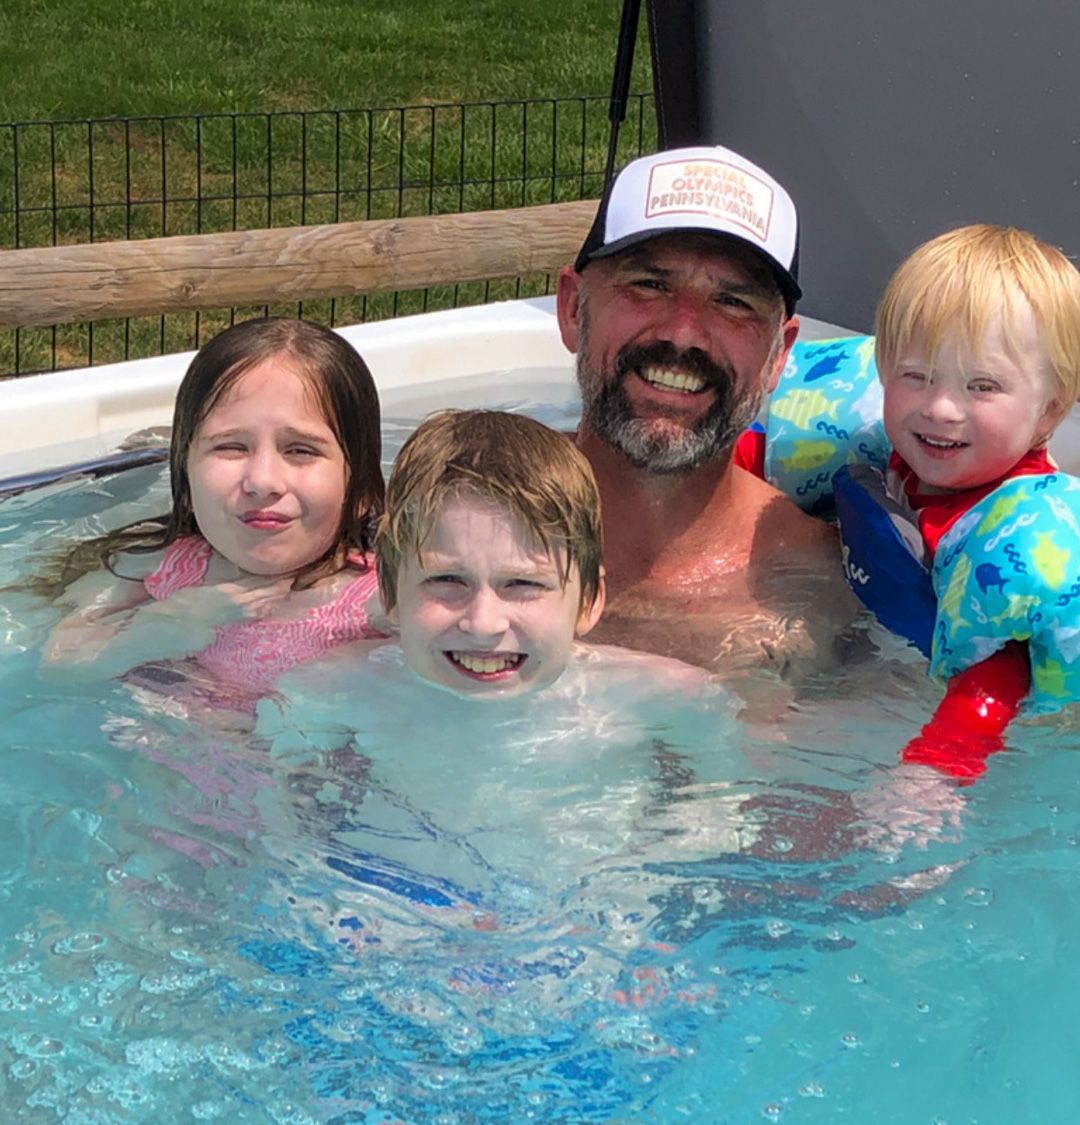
(824, 413)
(1008, 569)
(882, 553)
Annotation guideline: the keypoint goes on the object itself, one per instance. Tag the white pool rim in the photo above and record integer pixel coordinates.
(480, 355)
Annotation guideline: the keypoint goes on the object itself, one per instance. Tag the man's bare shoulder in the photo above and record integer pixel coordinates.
(782, 526)
(797, 556)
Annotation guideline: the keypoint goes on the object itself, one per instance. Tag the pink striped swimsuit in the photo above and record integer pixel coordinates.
(252, 654)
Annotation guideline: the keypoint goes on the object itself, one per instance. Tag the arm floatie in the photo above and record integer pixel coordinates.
(969, 723)
(1009, 570)
(882, 555)
(824, 413)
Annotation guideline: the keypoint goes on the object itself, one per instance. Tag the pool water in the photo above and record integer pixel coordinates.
(603, 912)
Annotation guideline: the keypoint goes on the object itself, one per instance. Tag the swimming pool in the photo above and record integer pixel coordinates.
(674, 917)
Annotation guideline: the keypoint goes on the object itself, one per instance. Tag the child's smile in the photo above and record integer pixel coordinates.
(979, 411)
(267, 474)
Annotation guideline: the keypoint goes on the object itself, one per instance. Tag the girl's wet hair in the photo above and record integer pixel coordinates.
(345, 391)
(508, 460)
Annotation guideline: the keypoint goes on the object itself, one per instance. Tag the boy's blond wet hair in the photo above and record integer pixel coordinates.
(508, 460)
(963, 278)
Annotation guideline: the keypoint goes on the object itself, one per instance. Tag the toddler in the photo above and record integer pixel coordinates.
(978, 349)
(264, 560)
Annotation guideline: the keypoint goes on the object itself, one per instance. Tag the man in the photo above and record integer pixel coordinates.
(680, 308)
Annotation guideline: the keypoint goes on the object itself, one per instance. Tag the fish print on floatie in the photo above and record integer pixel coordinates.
(807, 455)
(800, 406)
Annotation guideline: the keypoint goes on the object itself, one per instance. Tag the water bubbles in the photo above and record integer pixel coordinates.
(160, 1055)
(290, 1114)
(207, 1111)
(227, 1057)
(187, 957)
(437, 1080)
(464, 1039)
(157, 983)
(14, 999)
(38, 1046)
(84, 942)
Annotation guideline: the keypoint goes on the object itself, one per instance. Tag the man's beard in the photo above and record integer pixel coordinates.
(608, 412)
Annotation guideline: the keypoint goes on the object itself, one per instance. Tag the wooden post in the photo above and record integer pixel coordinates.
(97, 281)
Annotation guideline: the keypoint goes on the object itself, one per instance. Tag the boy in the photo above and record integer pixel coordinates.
(489, 552)
(489, 565)
(978, 350)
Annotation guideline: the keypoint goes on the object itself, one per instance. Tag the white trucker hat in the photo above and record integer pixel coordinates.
(710, 189)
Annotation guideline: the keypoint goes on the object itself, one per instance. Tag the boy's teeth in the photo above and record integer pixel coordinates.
(673, 380)
(486, 665)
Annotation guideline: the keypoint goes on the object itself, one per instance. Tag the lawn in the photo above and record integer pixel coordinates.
(127, 58)
(131, 119)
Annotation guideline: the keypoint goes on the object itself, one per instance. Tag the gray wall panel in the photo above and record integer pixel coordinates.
(890, 122)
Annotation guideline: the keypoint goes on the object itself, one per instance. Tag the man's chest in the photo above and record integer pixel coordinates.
(782, 615)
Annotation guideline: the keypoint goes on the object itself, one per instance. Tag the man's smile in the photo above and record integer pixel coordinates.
(668, 379)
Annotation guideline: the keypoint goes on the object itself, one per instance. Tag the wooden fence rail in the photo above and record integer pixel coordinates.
(98, 281)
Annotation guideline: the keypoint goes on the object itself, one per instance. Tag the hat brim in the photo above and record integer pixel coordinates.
(788, 286)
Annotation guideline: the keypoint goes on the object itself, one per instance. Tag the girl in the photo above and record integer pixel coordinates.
(265, 559)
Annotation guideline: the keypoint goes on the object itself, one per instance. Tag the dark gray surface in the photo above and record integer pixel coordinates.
(888, 122)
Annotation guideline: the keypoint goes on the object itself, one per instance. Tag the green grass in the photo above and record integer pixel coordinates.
(294, 134)
(99, 58)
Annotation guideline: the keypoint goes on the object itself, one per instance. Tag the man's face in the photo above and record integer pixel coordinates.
(678, 340)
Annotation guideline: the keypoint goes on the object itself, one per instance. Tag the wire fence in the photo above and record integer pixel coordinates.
(65, 182)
